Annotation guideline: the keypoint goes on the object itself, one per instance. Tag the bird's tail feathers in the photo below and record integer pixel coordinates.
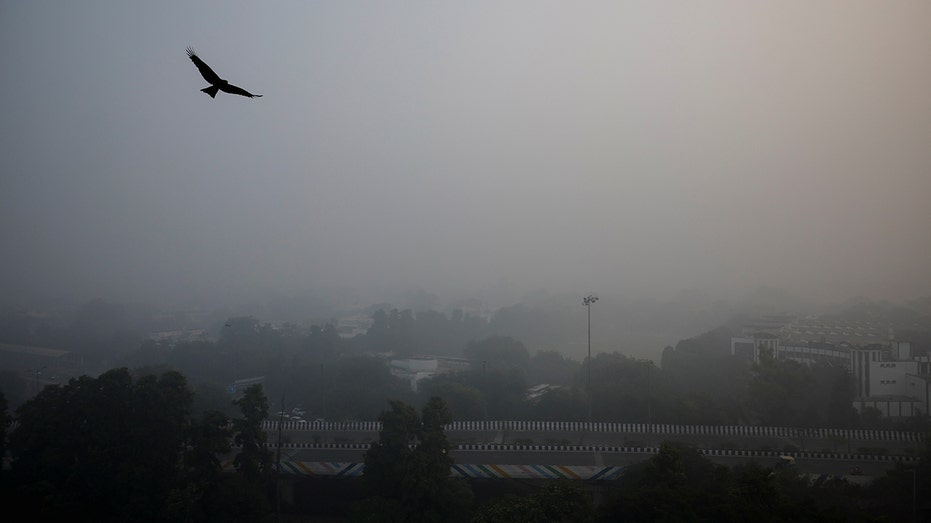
(212, 90)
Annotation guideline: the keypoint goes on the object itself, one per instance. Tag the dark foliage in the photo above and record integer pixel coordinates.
(115, 449)
(407, 472)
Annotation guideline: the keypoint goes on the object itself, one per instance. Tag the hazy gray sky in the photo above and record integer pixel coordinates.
(625, 146)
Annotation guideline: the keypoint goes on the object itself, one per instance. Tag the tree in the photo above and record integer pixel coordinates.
(392, 332)
(497, 393)
(466, 402)
(840, 410)
(501, 352)
(678, 484)
(780, 393)
(253, 461)
(551, 367)
(704, 383)
(895, 493)
(323, 343)
(561, 404)
(557, 501)
(208, 438)
(104, 449)
(407, 472)
(443, 498)
(207, 494)
(511, 508)
(358, 387)
(621, 387)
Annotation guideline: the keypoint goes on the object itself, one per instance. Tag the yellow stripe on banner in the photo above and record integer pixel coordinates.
(499, 470)
(567, 471)
(305, 468)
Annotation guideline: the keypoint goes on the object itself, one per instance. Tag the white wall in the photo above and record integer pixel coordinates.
(888, 377)
(889, 407)
(919, 388)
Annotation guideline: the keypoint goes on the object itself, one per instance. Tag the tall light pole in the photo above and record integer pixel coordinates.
(278, 463)
(587, 302)
(649, 392)
(485, 399)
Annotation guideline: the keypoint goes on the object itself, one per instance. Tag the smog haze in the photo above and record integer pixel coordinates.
(632, 147)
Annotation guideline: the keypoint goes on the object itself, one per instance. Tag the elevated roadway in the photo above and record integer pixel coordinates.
(599, 451)
(786, 439)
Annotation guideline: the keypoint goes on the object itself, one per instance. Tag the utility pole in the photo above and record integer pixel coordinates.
(278, 463)
(649, 392)
(587, 302)
(323, 391)
(485, 398)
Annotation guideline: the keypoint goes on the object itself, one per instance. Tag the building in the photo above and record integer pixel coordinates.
(238, 387)
(919, 387)
(751, 346)
(414, 369)
(891, 406)
(174, 337)
(861, 360)
(809, 352)
(888, 376)
(353, 326)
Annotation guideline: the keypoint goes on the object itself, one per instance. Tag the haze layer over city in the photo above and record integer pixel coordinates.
(465, 150)
(465, 261)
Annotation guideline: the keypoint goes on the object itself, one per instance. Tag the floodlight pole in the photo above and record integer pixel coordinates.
(278, 464)
(587, 302)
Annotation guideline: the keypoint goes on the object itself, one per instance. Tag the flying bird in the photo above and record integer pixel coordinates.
(216, 83)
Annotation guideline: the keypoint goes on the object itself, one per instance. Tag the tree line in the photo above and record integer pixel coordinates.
(335, 378)
(128, 447)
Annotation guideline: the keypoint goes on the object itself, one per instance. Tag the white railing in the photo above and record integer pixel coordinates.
(619, 428)
(731, 453)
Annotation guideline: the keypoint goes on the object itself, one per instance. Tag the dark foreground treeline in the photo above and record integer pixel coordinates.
(130, 448)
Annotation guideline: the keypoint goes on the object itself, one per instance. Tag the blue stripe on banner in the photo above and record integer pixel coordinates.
(601, 473)
(480, 471)
(476, 471)
(615, 473)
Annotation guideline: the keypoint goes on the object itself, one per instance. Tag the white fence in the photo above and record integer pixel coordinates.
(618, 428)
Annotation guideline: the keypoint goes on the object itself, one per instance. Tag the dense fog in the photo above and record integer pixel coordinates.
(478, 151)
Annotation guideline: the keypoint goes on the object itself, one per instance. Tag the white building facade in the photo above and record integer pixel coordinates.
(888, 376)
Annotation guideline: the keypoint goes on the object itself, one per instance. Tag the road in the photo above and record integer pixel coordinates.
(595, 460)
(635, 435)
(557, 445)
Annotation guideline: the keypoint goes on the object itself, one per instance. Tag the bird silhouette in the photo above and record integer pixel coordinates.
(216, 83)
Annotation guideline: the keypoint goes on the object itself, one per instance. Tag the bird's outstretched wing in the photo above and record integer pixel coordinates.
(232, 89)
(205, 70)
